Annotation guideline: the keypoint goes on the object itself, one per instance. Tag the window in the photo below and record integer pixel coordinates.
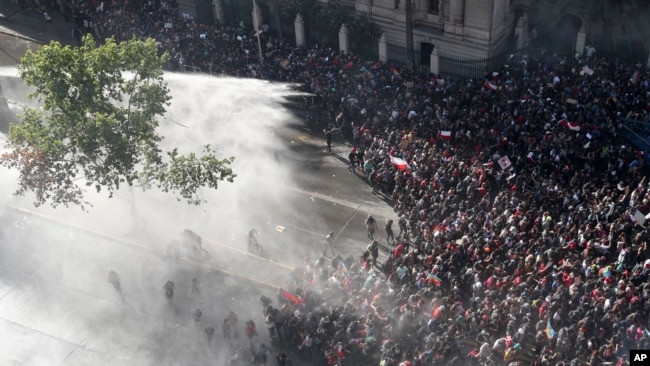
(434, 6)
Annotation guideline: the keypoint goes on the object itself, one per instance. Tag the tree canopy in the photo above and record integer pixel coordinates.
(98, 126)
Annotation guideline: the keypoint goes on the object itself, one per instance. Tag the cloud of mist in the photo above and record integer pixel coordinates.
(238, 117)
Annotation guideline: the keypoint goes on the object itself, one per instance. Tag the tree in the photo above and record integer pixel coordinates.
(98, 126)
(289, 9)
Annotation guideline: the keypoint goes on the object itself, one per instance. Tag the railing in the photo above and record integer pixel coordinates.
(397, 55)
(637, 133)
(470, 69)
(190, 68)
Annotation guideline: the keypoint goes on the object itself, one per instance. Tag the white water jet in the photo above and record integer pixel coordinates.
(238, 117)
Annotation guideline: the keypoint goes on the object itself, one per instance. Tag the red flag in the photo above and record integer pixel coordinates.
(291, 297)
(570, 125)
(489, 85)
(445, 135)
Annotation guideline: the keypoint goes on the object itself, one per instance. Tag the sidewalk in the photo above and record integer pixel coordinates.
(19, 31)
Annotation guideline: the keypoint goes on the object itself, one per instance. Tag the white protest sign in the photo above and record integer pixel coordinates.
(504, 163)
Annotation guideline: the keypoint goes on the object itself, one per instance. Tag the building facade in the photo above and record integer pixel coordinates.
(485, 30)
(463, 29)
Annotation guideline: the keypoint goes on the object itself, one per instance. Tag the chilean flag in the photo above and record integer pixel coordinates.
(399, 163)
(570, 125)
(445, 135)
(489, 85)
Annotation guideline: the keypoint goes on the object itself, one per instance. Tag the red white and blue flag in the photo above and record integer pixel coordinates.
(488, 85)
(400, 163)
(570, 125)
(445, 135)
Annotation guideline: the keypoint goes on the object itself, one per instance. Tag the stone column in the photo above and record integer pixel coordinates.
(344, 39)
(299, 26)
(457, 11)
(257, 16)
(383, 49)
(521, 31)
(434, 64)
(580, 40)
(217, 8)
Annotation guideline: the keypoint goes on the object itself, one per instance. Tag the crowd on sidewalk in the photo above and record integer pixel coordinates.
(520, 205)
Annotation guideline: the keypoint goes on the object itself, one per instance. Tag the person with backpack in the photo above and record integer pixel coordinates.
(373, 249)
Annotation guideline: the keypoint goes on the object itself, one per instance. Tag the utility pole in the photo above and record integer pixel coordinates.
(258, 31)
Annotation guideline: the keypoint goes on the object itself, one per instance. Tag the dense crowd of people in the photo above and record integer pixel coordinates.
(520, 206)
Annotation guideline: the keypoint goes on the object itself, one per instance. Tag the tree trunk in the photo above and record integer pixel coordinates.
(410, 53)
(276, 17)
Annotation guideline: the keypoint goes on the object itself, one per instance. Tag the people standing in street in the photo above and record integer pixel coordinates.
(194, 292)
(283, 360)
(355, 135)
(390, 237)
(328, 139)
(373, 249)
(352, 157)
(209, 334)
(403, 226)
(329, 244)
(233, 320)
(371, 226)
(196, 316)
(169, 291)
(114, 279)
(226, 330)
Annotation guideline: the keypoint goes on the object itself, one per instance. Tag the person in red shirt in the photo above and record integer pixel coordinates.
(398, 252)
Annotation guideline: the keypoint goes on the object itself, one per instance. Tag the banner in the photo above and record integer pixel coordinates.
(505, 163)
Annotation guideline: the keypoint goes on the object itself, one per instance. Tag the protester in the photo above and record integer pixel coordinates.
(521, 207)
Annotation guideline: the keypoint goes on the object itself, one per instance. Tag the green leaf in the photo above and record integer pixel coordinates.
(99, 121)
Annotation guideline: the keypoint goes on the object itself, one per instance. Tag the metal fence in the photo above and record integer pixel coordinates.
(470, 69)
(397, 55)
(637, 133)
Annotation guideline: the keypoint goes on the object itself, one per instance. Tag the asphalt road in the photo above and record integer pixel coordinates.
(57, 307)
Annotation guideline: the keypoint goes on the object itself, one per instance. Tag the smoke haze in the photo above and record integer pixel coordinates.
(53, 272)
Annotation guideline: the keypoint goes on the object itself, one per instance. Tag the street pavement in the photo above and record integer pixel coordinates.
(57, 307)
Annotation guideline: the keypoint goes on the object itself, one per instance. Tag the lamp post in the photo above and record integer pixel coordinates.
(258, 31)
